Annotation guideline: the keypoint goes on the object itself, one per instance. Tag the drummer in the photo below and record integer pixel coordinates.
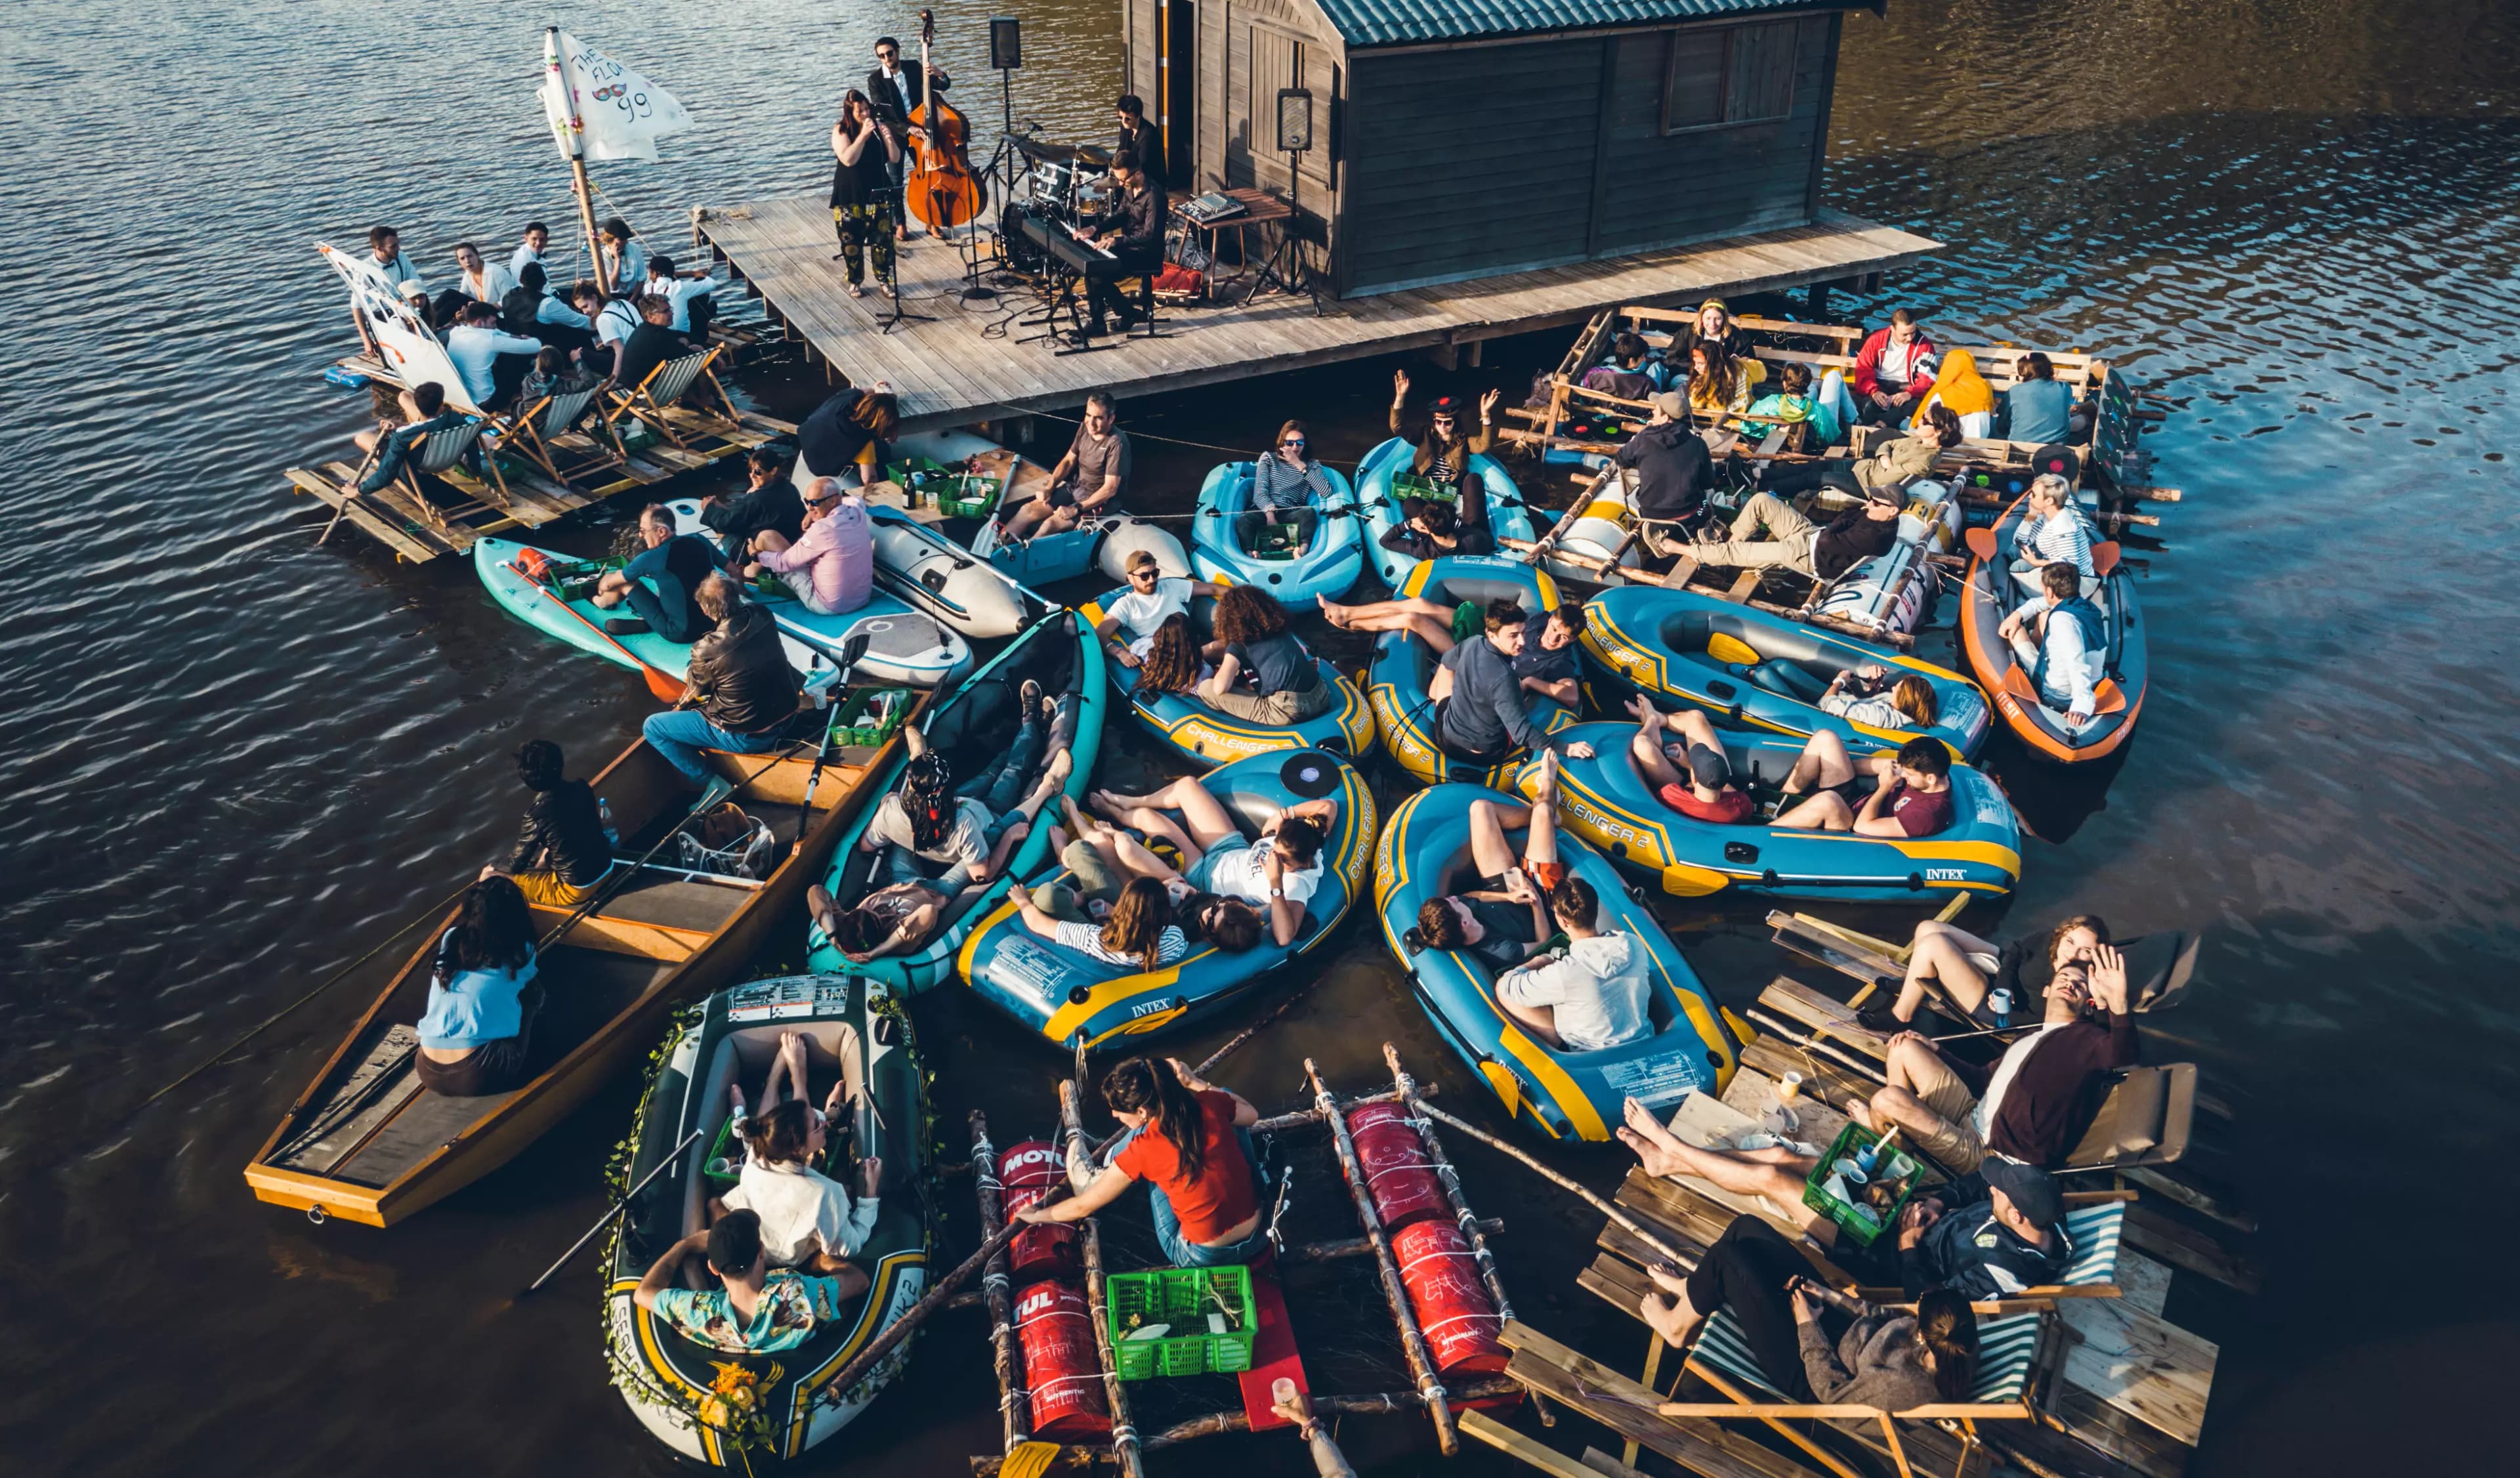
(1191, 1142)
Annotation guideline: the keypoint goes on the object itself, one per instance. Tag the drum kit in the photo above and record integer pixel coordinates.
(1055, 185)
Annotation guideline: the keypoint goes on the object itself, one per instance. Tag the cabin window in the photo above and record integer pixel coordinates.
(1722, 76)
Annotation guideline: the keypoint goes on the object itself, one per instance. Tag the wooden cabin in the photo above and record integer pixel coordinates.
(1450, 142)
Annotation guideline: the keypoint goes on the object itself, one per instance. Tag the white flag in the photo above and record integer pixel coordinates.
(618, 114)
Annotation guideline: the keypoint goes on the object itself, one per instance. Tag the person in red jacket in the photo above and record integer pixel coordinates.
(1894, 370)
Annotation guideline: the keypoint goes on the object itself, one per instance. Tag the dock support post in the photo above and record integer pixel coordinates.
(1816, 302)
(1124, 1432)
(1015, 1404)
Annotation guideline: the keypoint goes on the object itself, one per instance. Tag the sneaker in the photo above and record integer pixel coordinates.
(625, 626)
(1028, 698)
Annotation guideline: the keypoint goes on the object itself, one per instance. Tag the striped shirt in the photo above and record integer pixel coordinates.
(1087, 939)
(2065, 538)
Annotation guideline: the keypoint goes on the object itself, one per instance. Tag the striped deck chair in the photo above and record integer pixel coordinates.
(433, 453)
(532, 432)
(2094, 1230)
(666, 384)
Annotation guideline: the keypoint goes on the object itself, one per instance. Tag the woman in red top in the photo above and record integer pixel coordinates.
(1191, 1142)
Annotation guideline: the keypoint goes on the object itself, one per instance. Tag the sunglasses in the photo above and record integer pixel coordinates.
(1146, 574)
(885, 55)
(1292, 441)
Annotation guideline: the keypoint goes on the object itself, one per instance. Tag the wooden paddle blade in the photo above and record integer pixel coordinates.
(1981, 542)
(1724, 648)
(1029, 1459)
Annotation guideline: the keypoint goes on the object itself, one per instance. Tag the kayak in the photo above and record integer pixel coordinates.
(1403, 664)
(1607, 803)
(1891, 591)
(1197, 729)
(974, 726)
(1569, 1094)
(1990, 593)
(1507, 517)
(1297, 573)
(507, 570)
(1753, 669)
(679, 1389)
(1065, 994)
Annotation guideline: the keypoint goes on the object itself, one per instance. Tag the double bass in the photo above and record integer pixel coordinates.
(941, 189)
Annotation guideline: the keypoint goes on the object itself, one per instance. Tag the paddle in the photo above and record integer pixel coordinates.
(672, 1157)
(851, 651)
(662, 684)
(1029, 1459)
(936, 1298)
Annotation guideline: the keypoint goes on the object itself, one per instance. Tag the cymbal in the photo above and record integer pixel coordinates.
(1092, 154)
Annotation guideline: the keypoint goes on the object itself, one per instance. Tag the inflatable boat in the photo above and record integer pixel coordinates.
(1299, 572)
(1403, 664)
(1893, 590)
(1215, 736)
(738, 1411)
(1752, 669)
(1990, 593)
(974, 726)
(944, 580)
(1104, 543)
(1063, 994)
(1607, 803)
(1592, 534)
(1507, 517)
(1569, 1094)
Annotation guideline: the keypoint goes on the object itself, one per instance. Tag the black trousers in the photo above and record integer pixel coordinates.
(1746, 1270)
(1788, 478)
(1103, 284)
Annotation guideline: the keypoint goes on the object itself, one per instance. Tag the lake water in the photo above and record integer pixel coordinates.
(233, 760)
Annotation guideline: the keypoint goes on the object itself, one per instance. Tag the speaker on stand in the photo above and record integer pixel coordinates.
(1295, 141)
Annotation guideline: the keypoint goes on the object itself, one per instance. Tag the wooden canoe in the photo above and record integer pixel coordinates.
(367, 1144)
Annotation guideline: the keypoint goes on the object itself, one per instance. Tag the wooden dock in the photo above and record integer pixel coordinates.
(965, 364)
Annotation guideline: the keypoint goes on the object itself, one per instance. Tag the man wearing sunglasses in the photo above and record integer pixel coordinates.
(1152, 597)
(895, 90)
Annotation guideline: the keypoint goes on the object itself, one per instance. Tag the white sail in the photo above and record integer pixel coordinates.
(410, 349)
(599, 108)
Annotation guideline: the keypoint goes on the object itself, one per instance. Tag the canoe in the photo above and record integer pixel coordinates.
(1892, 590)
(974, 725)
(1191, 725)
(944, 580)
(1507, 517)
(1063, 994)
(366, 1144)
(1751, 668)
(1102, 543)
(1327, 566)
(858, 1034)
(1403, 664)
(1990, 593)
(1569, 1094)
(1607, 803)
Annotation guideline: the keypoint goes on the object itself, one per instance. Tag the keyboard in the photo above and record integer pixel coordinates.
(1083, 256)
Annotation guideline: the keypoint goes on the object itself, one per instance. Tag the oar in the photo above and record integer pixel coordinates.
(851, 651)
(672, 1157)
(936, 1298)
(660, 682)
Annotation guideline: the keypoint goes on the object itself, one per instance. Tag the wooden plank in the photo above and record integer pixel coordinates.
(1628, 1409)
(1832, 1081)
(1607, 1467)
(408, 545)
(2101, 1429)
(2181, 1246)
(2056, 1453)
(2143, 1283)
(1514, 1444)
(2140, 1364)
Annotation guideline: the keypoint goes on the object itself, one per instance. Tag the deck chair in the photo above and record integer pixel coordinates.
(2095, 1229)
(433, 453)
(532, 432)
(665, 385)
(2145, 1120)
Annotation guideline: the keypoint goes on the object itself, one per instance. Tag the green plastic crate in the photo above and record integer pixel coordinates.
(853, 725)
(1178, 1296)
(1902, 1173)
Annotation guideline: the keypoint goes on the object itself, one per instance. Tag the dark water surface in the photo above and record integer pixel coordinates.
(235, 761)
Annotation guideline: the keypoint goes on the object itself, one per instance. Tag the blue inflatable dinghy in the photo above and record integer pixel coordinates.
(1507, 519)
(1404, 665)
(1297, 570)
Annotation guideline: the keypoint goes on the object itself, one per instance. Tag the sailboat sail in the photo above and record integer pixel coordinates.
(599, 108)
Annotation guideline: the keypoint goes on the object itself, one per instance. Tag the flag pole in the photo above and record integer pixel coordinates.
(576, 156)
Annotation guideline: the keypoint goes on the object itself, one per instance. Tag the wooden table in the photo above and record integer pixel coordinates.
(1259, 208)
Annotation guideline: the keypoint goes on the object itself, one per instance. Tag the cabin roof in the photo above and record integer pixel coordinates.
(1400, 22)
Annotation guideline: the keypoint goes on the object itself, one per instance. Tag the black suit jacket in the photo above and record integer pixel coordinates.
(887, 98)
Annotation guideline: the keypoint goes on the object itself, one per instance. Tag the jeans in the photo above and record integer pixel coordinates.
(999, 791)
(681, 734)
(1840, 401)
(1168, 1233)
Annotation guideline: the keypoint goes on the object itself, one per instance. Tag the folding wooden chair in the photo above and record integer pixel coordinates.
(665, 385)
(532, 432)
(434, 453)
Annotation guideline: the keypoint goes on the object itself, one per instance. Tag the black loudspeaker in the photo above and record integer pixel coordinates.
(1294, 121)
(1006, 43)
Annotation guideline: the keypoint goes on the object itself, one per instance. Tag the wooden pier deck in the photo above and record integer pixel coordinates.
(957, 369)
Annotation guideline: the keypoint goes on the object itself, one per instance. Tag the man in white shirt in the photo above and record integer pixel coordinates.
(476, 345)
(537, 241)
(623, 258)
(384, 253)
(482, 280)
(1152, 599)
(614, 319)
(1590, 997)
(662, 282)
(2060, 640)
(1279, 871)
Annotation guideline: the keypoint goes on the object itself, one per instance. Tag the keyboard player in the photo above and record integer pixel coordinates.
(1134, 237)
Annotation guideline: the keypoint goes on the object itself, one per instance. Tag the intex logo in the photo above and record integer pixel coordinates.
(1946, 874)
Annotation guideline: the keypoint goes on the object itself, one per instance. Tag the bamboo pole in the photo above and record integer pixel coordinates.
(1384, 1402)
(1359, 1246)
(1412, 1342)
(1563, 1183)
(1406, 1088)
(1015, 1404)
(940, 1296)
(1640, 575)
(1124, 1433)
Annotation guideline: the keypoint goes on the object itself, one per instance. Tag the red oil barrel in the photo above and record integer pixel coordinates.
(1028, 1173)
(1452, 1307)
(1060, 1366)
(1398, 1173)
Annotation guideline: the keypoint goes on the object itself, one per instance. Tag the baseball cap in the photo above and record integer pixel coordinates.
(2032, 1190)
(1143, 558)
(1888, 495)
(1707, 766)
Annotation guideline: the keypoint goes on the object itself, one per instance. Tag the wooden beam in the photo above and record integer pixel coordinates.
(1514, 1444)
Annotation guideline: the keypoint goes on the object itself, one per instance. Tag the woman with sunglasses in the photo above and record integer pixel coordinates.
(1288, 485)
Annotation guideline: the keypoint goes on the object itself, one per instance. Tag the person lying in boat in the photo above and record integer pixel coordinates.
(1191, 1142)
(2039, 1098)
(1545, 665)
(1625, 375)
(971, 832)
(1429, 529)
(1278, 872)
(755, 1309)
(897, 919)
(1702, 790)
(1089, 479)
(1894, 462)
(1503, 914)
(1481, 710)
(2037, 408)
(1889, 1359)
(808, 1220)
(1816, 421)
(490, 362)
(849, 437)
(2061, 644)
(1817, 552)
(1911, 792)
(2052, 531)
(1290, 486)
(1138, 934)
(749, 693)
(771, 499)
(1894, 370)
(650, 344)
(1995, 1232)
(1153, 598)
(1263, 673)
(1872, 696)
(661, 586)
(1953, 963)
(479, 1016)
(1089, 847)
(1590, 997)
(563, 848)
(424, 410)
(830, 568)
